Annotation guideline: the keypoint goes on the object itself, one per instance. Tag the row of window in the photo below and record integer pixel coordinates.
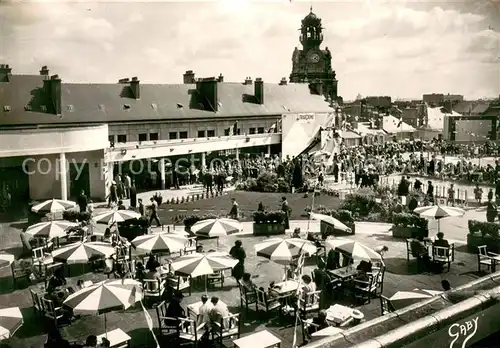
(122, 138)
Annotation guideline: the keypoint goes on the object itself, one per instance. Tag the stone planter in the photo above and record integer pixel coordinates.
(409, 232)
(268, 228)
(475, 240)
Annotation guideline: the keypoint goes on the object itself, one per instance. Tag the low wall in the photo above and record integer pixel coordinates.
(458, 318)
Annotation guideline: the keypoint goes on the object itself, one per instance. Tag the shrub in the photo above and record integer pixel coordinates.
(190, 220)
(409, 220)
(265, 182)
(362, 202)
(264, 216)
(485, 228)
(73, 216)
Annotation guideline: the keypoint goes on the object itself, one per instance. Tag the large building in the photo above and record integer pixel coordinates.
(312, 63)
(59, 138)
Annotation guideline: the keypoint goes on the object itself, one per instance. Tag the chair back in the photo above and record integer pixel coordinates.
(261, 297)
(36, 299)
(386, 305)
(165, 323)
(188, 329)
(230, 325)
(49, 308)
(38, 253)
(482, 250)
(311, 299)
(440, 253)
(151, 286)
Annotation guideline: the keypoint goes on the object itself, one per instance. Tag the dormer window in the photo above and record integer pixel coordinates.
(101, 107)
(126, 106)
(7, 108)
(154, 106)
(43, 108)
(71, 108)
(179, 105)
(27, 107)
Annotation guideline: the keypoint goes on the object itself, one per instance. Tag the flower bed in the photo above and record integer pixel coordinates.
(268, 223)
(133, 228)
(483, 233)
(409, 226)
(265, 182)
(344, 216)
(190, 220)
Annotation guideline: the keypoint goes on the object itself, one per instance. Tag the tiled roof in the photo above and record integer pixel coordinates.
(473, 107)
(102, 103)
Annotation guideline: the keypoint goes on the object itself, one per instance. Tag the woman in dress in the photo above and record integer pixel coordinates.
(238, 253)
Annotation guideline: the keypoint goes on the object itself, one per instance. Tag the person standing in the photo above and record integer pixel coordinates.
(113, 194)
(491, 211)
(127, 183)
(285, 208)
(133, 195)
(234, 213)
(82, 202)
(140, 207)
(154, 212)
(238, 253)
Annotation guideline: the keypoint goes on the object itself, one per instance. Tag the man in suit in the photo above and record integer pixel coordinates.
(285, 208)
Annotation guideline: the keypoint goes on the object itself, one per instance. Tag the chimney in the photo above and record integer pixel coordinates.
(53, 92)
(283, 81)
(5, 70)
(124, 81)
(248, 81)
(136, 89)
(221, 78)
(259, 90)
(207, 90)
(189, 77)
(44, 71)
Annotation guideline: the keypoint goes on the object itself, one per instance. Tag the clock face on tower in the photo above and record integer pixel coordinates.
(313, 57)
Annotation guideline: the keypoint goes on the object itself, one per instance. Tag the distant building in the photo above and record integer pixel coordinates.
(379, 101)
(433, 99)
(454, 98)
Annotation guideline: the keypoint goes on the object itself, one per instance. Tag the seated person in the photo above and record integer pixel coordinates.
(204, 311)
(57, 297)
(174, 309)
(332, 260)
(79, 284)
(107, 235)
(219, 311)
(291, 272)
(120, 271)
(121, 206)
(441, 242)
(105, 343)
(140, 272)
(420, 251)
(363, 277)
(91, 341)
(152, 263)
(321, 277)
(318, 323)
(308, 286)
(57, 279)
(296, 233)
(270, 293)
(246, 282)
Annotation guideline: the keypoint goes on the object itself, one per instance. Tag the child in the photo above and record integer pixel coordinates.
(478, 194)
(90, 207)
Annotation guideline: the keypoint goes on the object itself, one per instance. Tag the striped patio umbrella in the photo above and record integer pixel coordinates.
(6, 259)
(331, 220)
(50, 229)
(403, 299)
(160, 242)
(438, 212)
(112, 216)
(11, 320)
(197, 264)
(104, 297)
(83, 252)
(216, 227)
(53, 206)
(283, 251)
(355, 250)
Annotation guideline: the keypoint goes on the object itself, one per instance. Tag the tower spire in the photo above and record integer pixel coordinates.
(311, 8)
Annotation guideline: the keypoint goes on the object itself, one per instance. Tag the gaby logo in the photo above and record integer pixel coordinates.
(305, 117)
(462, 333)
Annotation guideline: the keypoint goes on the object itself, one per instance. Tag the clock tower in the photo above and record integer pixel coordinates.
(311, 63)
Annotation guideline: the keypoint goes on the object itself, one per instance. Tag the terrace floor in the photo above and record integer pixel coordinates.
(399, 276)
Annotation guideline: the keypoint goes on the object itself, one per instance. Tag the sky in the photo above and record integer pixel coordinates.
(398, 48)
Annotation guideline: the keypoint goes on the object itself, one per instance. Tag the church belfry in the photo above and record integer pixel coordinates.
(311, 64)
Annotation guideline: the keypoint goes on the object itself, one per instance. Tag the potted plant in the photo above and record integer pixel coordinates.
(73, 216)
(133, 228)
(267, 223)
(483, 233)
(408, 225)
